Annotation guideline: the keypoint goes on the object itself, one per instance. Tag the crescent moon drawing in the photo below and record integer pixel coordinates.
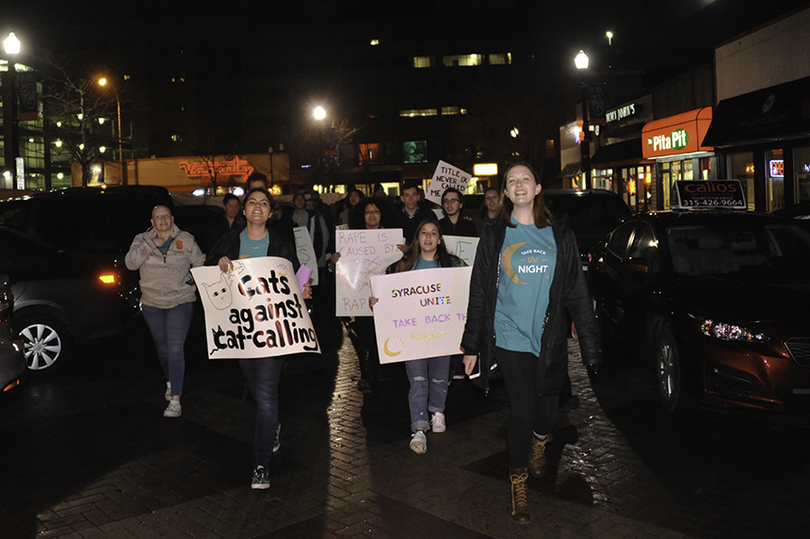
(388, 351)
(507, 261)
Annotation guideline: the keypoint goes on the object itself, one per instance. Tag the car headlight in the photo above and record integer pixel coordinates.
(731, 332)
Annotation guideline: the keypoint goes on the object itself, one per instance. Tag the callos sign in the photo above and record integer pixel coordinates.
(719, 194)
(677, 140)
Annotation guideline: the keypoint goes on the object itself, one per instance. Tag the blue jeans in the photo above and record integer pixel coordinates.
(169, 328)
(427, 396)
(263, 376)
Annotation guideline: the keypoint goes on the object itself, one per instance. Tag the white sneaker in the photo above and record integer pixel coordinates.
(173, 409)
(418, 442)
(438, 422)
(168, 393)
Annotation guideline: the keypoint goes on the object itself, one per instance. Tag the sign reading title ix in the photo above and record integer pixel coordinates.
(256, 310)
(446, 176)
(421, 313)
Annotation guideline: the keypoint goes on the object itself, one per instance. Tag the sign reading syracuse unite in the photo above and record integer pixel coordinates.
(420, 314)
(256, 310)
(363, 253)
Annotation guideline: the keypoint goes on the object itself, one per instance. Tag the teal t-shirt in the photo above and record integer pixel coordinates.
(528, 261)
(421, 263)
(249, 248)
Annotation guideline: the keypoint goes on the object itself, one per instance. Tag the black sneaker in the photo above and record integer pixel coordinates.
(261, 481)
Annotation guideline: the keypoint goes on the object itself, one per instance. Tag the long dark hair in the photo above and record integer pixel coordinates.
(410, 257)
(357, 215)
(275, 212)
(542, 216)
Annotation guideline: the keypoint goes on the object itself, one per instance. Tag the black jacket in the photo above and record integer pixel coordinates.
(568, 289)
(228, 245)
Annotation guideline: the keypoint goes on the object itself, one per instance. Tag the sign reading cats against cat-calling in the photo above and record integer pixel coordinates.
(255, 310)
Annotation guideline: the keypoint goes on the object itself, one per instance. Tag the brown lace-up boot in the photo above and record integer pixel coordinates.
(519, 478)
(537, 460)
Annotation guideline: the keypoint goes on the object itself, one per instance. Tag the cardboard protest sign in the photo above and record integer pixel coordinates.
(421, 313)
(463, 247)
(256, 310)
(446, 175)
(306, 252)
(363, 253)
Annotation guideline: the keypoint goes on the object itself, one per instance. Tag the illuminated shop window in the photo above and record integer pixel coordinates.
(411, 113)
(371, 154)
(414, 151)
(462, 60)
(422, 61)
(500, 59)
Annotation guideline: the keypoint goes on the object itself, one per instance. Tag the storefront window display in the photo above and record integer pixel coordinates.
(775, 169)
(801, 162)
(741, 167)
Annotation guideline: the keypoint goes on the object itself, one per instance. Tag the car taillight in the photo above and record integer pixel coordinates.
(108, 278)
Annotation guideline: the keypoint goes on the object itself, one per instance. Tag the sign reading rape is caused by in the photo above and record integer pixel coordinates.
(363, 253)
(420, 314)
(446, 176)
(255, 310)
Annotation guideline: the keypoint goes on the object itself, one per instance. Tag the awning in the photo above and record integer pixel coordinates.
(677, 134)
(778, 112)
(627, 152)
(570, 170)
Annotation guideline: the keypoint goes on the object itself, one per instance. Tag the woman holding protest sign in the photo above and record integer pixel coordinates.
(429, 378)
(163, 256)
(262, 375)
(526, 273)
(371, 213)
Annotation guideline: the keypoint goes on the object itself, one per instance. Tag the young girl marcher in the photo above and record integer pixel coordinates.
(262, 374)
(163, 255)
(526, 273)
(428, 377)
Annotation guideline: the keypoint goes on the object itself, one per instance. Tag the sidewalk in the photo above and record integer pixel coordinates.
(99, 460)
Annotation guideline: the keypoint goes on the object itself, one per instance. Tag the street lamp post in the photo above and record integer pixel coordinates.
(103, 82)
(582, 62)
(11, 126)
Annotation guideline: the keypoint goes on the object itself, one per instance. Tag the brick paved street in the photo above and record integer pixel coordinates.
(87, 453)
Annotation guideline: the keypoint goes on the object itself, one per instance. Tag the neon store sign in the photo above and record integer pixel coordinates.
(777, 167)
(236, 167)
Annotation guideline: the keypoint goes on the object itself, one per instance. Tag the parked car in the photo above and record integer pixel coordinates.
(799, 211)
(715, 301)
(592, 214)
(61, 299)
(12, 363)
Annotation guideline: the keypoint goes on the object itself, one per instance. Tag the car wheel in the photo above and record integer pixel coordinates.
(669, 373)
(46, 341)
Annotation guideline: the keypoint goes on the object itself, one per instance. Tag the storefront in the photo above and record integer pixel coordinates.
(621, 168)
(675, 146)
(763, 139)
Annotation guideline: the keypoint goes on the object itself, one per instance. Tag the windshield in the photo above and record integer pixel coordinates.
(723, 248)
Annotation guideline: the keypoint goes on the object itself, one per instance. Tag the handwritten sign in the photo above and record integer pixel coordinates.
(257, 310)
(446, 175)
(421, 313)
(463, 247)
(363, 253)
(306, 252)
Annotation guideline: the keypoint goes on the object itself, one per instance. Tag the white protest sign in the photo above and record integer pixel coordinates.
(305, 251)
(421, 313)
(446, 175)
(256, 310)
(463, 247)
(363, 253)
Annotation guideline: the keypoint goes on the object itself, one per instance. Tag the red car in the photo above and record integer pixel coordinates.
(716, 302)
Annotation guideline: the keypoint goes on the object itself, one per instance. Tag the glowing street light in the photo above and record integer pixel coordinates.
(582, 61)
(11, 126)
(103, 82)
(11, 44)
(609, 36)
(319, 113)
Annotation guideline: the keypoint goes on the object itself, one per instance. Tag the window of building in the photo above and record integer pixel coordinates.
(414, 151)
(775, 174)
(422, 61)
(462, 60)
(410, 113)
(500, 59)
(740, 166)
(453, 110)
(371, 153)
(801, 160)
